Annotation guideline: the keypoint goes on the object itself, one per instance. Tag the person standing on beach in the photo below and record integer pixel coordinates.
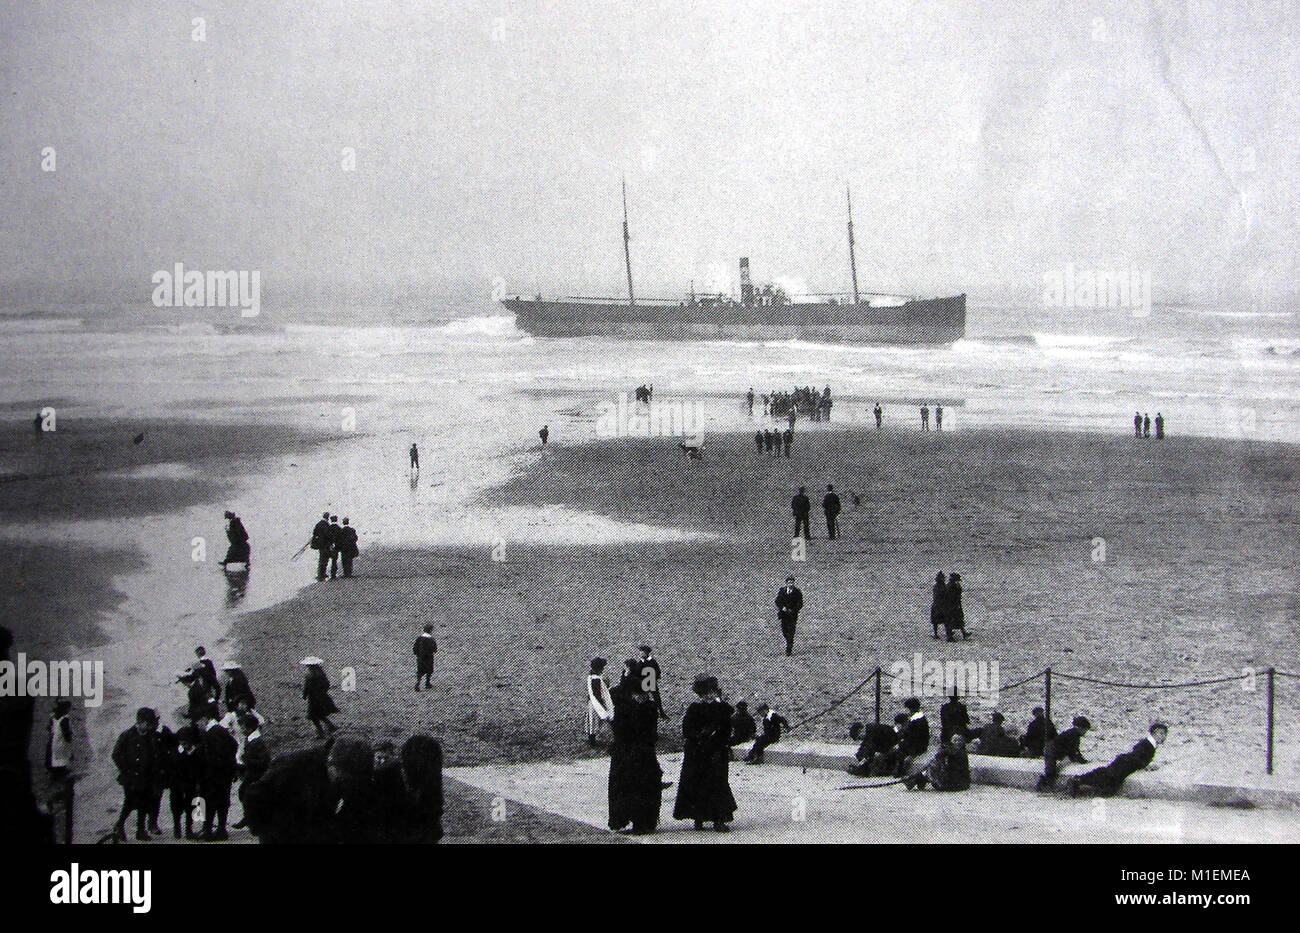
(880, 415)
(138, 759)
(651, 676)
(635, 778)
(938, 417)
(218, 750)
(424, 649)
(415, 458)
(749, 397)
(703, 791)
(316, 691)
(335, 539)
(348, 549)
(758, 440)
(544, 433)
(787, 439)
(938, 602)
(789, 602)
(925, 418)
(1146, 426)
(831, 506)
(320, 543)
(800, 506)
(600, 708)
(954, 616)
(1137, 424)
(1160, 426)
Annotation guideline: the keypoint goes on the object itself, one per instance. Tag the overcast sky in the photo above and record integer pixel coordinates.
(985, 143)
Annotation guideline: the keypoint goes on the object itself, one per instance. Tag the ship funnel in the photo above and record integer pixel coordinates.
(746, 284)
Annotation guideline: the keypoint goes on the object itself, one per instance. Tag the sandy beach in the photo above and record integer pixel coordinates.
(1015, 512)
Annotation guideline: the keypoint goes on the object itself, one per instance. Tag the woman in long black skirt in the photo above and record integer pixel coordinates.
(316, 691)
(635, 778)
(703, 793)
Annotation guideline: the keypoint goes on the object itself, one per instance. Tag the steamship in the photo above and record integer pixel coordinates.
(760, 314)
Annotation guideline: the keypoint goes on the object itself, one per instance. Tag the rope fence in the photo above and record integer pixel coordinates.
(1047, 674)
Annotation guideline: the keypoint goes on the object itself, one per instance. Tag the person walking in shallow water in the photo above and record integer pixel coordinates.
(415, 459)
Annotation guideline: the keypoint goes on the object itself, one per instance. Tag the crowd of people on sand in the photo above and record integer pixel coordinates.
(800, 401)
(336, 543)
(899, 751)
(340, 790)
(632, 709)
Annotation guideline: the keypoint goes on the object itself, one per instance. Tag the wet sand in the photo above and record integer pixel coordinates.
(1197, 582)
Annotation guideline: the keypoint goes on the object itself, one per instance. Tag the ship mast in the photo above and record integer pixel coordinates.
(627, 251)
(853, 261)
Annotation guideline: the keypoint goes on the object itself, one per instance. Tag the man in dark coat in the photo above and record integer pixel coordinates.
(1146, 425)
(743, 727)
(335, 538)
(635, 778)
(424, 649)
(314, 796)
(1106, 781)
(421, 762)
(1064, 747)
(139, 762)
(1137, 424)
(789, 602)
(703, 792)
(348, 549)
(216, 761)
(787, 438)
(800, 506)
(320, 543)
(758, 440)
(831, 506)
(1037, 734)
(773, 724)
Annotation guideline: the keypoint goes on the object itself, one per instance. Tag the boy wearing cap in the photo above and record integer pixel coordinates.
(1106, 781)
(1064, 746)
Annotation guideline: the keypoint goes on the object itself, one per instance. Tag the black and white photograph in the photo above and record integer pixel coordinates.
(572, 423)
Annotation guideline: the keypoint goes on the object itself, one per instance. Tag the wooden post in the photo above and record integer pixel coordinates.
(1047, 690)
(1268, 760)
(877, 695)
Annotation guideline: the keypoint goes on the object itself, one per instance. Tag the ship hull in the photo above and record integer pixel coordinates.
(926, 322)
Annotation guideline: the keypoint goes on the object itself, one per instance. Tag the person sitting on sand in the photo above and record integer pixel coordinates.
(874, 742)
(316, 691)
(993, 738)
(948, 770)
(1106, 781)
(743, 727)
(1064, 747)
(773, 724)
(1037, 734)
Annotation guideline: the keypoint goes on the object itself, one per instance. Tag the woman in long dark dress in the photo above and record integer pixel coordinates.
(635, 778)
(955, 617)
(940, 594)
(316, 691)
(703, 793)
